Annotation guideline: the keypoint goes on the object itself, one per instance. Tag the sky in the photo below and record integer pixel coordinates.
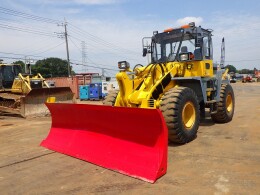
(112, 30)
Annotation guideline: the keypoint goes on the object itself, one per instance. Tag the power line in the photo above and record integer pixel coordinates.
(25, 30)
(49, 49)
(10, 53)
(36, 26)
(48, 20)
(37, 42)
(92, 62)
(92, 66)
(74, 44)
(243, 60)
(36, 57)
(72, 61)
(22, 58)
(80, 51)
(107, 52)
(101, 41)
(14, 58)
(27, 16)
(88, 59)
(77, 30)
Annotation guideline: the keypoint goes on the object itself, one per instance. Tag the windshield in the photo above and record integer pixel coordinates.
(169, 51)
(17, 69)
(189, 44)
(8, 74)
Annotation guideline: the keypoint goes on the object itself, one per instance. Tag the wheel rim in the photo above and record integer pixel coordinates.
(188, 115)
(229, 103)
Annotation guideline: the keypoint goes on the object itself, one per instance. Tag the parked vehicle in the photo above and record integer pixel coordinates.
(247, 78)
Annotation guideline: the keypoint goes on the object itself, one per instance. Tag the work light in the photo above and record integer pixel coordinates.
(123, 65)
(184, 57)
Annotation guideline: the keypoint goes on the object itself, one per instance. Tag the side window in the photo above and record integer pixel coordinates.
(17, 69)
(159, 48)
(154, 52)
(206, 48)
(211, 48)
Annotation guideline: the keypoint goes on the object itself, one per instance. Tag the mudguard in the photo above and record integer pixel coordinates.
(132, 141)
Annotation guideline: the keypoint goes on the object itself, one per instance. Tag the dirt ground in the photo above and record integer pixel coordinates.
(223, 159)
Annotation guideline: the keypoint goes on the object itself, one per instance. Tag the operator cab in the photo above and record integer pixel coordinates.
(186, 43)
(8, 73)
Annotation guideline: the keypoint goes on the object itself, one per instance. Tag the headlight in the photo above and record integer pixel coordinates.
(184, 57)
(123, 65)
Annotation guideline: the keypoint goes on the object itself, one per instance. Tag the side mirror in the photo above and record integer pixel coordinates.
(144, 52)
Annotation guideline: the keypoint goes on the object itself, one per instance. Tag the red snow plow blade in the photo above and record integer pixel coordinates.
(132, 141)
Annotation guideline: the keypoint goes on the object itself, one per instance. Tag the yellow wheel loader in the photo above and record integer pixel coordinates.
(161, 101)
(181, 81)
(25, 94)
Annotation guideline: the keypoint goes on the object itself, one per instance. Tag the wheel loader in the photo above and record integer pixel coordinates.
(25, 94)
(180, 81)
(161, 101)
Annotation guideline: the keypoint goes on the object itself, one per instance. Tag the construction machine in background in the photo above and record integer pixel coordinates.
(25, 94)
(257, 74)
(247, 78)
(161, 101)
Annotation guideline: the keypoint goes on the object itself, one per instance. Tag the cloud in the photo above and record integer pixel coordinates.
(241, 38)
(73, 11)
(126, 31)
(96, 2)
(182, 21)
(92, 2)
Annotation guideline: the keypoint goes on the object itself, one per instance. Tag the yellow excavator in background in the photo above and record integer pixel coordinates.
(25, 94)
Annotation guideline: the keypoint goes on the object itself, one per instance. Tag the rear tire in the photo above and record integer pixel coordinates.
(226, 105)
(110, 99)
(180, 109)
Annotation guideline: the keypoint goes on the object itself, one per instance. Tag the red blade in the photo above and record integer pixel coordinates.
(132, 141)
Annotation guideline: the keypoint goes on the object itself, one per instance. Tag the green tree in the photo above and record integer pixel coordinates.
(231, 68)
(246, 71)
(21, 63)
(51, 67)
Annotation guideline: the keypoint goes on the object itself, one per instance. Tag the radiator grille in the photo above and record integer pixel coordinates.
(151, 103)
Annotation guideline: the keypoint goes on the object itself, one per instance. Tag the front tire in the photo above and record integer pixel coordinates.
(180, 109)
(226, 105)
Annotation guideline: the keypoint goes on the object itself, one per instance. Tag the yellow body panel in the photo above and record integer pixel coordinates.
(199, 68)
(136, 87)
(22, 84)
(19, 86)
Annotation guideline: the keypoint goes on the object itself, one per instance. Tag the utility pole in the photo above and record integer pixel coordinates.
(28, 62)
(222, 58)
(67, 47)
(25, 60)
(103, 74)
(65, 35)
